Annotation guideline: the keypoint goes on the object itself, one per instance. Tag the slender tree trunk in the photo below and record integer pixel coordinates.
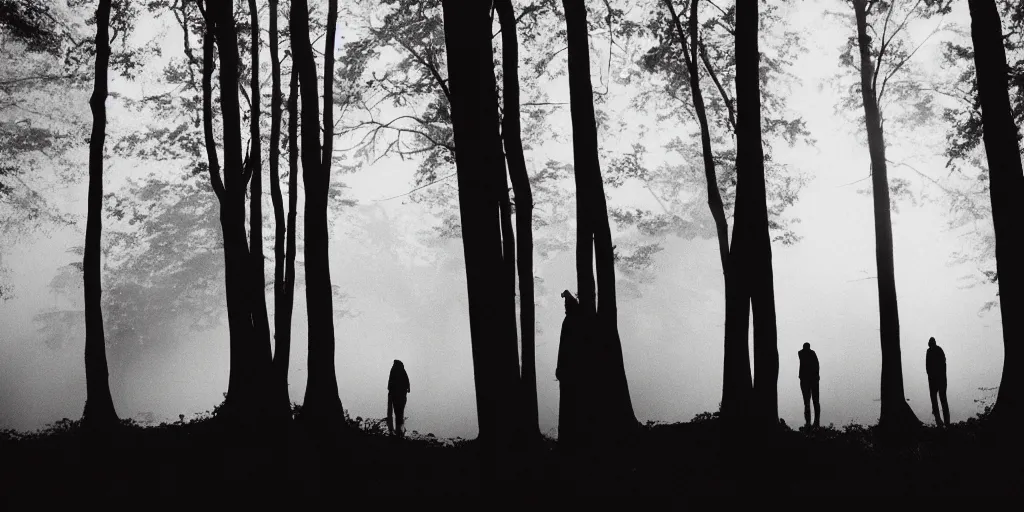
(895, 411)
(262, 358)
(282, 357)
(508, 354)
(610, 375)
(511, 133)
(736, 388)
(750, 167)
(710, 175)
(1006, 188)
(322, 404)
(282, 296)
(479, 165)
(99, 407)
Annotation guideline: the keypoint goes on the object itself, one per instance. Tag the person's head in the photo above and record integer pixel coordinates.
(807, 346)
(570, 302)
(398, 364)
(931, 342)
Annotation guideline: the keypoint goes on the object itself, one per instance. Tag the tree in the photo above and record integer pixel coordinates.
(1006, 188)
(249, 368)
(46, 53)
(594, 243)
(254, 161)
(322, 404)
(512, 137)
(481, 169)
(968, 193)
(895, 411)
(284, 236)
(99, 407)
(661, 83)
(753, 225)
(736, 386)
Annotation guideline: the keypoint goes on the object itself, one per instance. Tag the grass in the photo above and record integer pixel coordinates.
(192, 458)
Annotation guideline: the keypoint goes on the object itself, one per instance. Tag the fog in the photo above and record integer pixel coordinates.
(406, 300)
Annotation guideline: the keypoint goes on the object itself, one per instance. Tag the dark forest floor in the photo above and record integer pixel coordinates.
(191, 458)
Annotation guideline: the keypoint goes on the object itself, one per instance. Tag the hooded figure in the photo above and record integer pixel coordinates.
(935, 365)
(398, 387)
(809, 384)
(567, 372)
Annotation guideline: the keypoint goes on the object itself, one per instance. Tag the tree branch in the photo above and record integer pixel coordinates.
(430, 67)
(721, 90)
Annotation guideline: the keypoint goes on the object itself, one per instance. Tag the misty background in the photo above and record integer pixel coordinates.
(402, 291)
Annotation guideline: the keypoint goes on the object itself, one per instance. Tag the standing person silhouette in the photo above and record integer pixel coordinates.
(935, 365)
(398, 387)
(567, 372)
(809, 384)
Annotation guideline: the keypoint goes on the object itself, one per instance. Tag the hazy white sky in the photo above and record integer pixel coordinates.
(414, 309)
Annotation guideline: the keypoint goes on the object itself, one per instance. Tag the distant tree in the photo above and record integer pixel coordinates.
(1006, 178)
(99, 407)
(598, 306)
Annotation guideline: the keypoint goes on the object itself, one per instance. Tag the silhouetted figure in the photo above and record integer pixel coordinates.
(398, 387)
(567, 372)
(809, 384)
(935, 364)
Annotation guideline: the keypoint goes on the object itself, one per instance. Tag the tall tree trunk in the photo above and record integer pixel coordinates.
(282, 295)
(99, 407)
(322, 404)
(508, 354)
(610, 375)
(736, 387)
(895, 411)
(244, 397)
(511, 133)
(750, 167)
(262, 358)
(282, 357)
(1006, 188)
(480, 165)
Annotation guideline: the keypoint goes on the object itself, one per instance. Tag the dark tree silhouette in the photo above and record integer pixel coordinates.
(896, 413)
(284, 234)
(321, 404)
(1005, 176)
(512, 136)
(247, 376)
(254, 161)
(99, 407)
(754, 224)
(480, 166)
(594, 243)
(736, 386)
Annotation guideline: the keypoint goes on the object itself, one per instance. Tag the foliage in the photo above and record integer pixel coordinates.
(968, 195)
(48, 49)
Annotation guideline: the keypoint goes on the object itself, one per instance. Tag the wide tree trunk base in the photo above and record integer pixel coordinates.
(898, 425)
(100, 415)
(323, 416)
